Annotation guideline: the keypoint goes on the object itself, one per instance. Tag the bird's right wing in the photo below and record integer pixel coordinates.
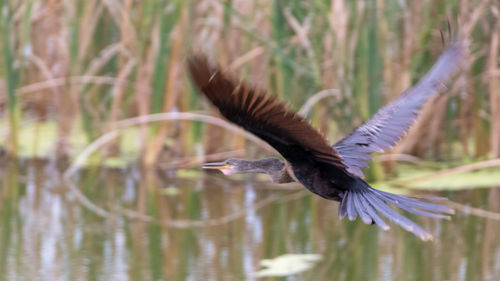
(261, 114)
(392, 121)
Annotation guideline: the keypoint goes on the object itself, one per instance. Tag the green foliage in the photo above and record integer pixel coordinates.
(370, 51)
(11, 74)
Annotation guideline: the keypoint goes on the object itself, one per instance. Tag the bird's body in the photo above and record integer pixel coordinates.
(325, 180)
(330, 171)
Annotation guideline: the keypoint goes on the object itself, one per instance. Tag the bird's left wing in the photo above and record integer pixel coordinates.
(261, 114)
(392, 121)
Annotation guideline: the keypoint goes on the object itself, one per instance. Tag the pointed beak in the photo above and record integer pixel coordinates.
(221, 166)
(215, 166)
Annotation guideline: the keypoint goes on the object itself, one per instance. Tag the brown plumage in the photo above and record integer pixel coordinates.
(260, 113)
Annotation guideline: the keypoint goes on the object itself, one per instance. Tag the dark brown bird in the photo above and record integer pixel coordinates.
(332, 172)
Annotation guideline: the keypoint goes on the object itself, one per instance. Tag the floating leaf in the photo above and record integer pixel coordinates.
(170, 191)
(287, 264)
(415, 178)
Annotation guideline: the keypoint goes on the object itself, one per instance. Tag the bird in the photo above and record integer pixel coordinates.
(333, 172)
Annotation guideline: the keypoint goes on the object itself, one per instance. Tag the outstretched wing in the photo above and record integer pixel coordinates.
(392, 121)
(261, 114)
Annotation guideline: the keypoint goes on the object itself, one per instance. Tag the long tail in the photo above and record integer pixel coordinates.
(369, 203)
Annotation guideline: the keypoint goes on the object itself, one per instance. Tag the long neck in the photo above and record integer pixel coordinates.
(274, 168)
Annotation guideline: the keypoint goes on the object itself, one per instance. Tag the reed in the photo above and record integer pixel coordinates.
(86, 65)
(11, 75)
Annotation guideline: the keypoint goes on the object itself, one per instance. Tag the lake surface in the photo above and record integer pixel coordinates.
(128, 224)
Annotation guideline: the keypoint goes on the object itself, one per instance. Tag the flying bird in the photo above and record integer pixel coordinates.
(333, 171)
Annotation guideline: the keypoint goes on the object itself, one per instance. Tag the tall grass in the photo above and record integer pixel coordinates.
(11, 74)
(84, 65)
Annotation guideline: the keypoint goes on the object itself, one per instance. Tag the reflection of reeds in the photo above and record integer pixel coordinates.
(87, 64)
(133, 229)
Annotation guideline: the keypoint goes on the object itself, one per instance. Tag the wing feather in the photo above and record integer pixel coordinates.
(392, 121)
(261, 114)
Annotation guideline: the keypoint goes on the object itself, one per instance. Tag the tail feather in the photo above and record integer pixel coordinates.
(369, 203)
(372, 212)
(360, 206)
(412, 206)
(352, 211)
(397, 218)
(343, 206)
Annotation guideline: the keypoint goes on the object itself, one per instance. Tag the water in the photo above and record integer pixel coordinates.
(141, 225)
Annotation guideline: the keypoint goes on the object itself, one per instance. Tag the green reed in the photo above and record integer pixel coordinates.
(122, 59)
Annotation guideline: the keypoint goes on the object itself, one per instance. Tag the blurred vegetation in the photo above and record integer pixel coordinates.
(208, 228)
(70, 70)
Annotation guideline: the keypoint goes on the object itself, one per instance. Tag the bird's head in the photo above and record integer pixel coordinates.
(231, 166)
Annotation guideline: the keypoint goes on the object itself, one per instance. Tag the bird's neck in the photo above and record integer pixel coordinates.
(275, 169)
(283, 176)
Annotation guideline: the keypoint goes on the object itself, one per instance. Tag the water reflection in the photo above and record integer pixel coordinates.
(47, 234)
